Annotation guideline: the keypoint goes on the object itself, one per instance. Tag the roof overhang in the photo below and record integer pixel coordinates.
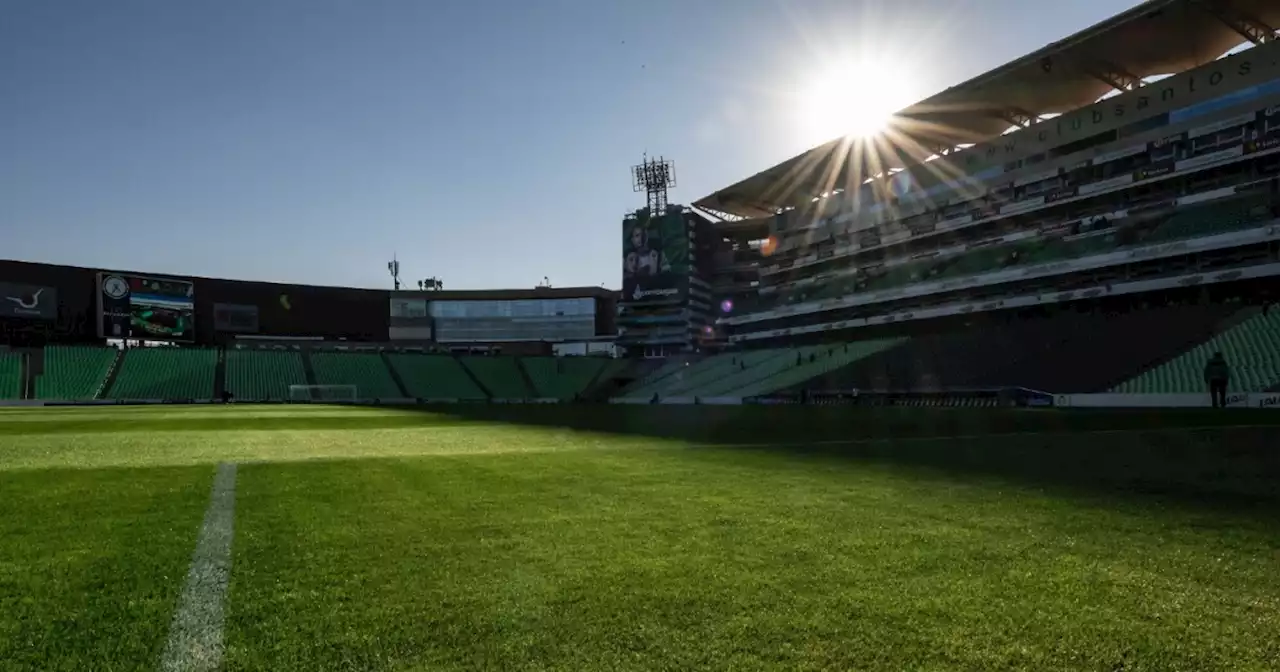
(1155, 38)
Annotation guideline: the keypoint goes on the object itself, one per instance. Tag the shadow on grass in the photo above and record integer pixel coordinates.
(1223, 459)
(1219, 459)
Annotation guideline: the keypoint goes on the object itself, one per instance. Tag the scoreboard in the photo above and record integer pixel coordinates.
(145, 308)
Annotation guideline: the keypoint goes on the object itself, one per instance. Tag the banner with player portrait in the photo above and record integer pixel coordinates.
(655, 258)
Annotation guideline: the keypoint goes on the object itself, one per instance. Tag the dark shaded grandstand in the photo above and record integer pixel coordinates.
(1067, 223)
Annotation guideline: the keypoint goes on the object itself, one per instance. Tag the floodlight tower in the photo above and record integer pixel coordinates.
(393, 267)
(654, 177)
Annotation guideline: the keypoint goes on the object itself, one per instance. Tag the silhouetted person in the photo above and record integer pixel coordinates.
(1217, 375)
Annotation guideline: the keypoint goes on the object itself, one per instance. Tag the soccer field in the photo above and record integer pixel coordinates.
(637, 538)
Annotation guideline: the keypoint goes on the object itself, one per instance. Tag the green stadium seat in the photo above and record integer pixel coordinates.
(10, 375)
(563, 377)
(1252, 348)
(826, 359)
(366, 371)
(669, 367)
(435, 377)
(500, 375)
(165, 373)
(756, 372)
(74, 372)
(1212, 218)
(263, 375)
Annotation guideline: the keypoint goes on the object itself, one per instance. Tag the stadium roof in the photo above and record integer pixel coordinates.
(1157, 37)
(507, 294)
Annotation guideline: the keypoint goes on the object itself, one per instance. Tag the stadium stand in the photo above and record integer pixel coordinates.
(165, 373)
(658, 370)
(10, 375)
(563, 377)
(263, 375)
(755, 372)
(1192, 221)
(365, 371)
(499, 375)
(827, 359)
(74, 372)
(1252, 348)
(435, 377)
(683, 376)
(1065, 353)
(1212, 218)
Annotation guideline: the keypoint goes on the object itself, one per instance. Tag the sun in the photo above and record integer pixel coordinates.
(852, 98)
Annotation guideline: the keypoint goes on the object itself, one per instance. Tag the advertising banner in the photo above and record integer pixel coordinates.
(29, 302)
(655, 259)
(235, 318)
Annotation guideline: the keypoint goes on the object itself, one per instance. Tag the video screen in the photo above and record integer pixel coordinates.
(147, 308)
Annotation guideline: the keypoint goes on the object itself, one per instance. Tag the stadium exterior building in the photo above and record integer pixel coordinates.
(665, 306)
(53, 304)
(1067, 178)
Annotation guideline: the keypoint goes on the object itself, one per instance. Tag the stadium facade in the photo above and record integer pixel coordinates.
(52, 304)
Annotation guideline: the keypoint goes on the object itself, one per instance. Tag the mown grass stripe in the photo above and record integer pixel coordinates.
(195, 636)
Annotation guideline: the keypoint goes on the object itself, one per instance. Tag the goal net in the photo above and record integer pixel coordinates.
(322, 393)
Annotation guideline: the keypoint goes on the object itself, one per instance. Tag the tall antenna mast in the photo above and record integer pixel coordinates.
(393, 267)
(654, 177)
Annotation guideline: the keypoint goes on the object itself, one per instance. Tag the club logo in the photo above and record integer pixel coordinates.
(28, 302)
(115, 287)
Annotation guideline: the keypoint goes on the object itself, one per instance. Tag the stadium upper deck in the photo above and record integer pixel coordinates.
(1158, 37)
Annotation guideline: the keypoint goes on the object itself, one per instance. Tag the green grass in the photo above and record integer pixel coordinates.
(737, 539)
(91, 563)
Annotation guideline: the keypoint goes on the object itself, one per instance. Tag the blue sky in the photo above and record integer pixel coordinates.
(484, 142)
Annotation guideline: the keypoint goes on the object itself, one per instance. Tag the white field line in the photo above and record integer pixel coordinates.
(195, 635)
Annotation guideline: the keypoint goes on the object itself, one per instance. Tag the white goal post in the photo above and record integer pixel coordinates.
(322, 393)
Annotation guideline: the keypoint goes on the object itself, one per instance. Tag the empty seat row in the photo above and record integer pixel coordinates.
(566, 377)
(367, 372)
(165, 373)
(435, 377)
(1068, 352)
(74, 372)
(10, 375)
(1251, 348)
(264, 375)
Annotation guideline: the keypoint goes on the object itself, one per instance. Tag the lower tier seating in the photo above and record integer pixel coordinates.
(10, 375)
(74, 372)
(563, 377)
(165, 373)
(668, 367)
(500, 375)
(263, 375)
(755, 372)
(687, 376)
(826, 359)
(1251, 348)
(435, 377)
(1066, 353)
(367, 372)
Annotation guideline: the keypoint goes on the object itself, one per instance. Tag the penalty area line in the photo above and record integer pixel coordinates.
(195, 635)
